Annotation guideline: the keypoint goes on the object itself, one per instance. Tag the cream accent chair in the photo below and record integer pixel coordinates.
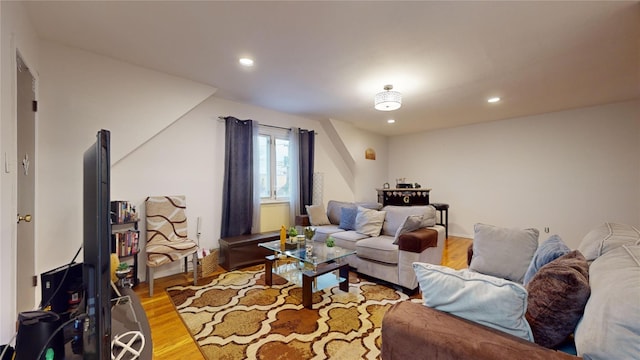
(167, 235)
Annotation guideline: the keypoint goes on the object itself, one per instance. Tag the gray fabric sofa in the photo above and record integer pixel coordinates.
(381, 256)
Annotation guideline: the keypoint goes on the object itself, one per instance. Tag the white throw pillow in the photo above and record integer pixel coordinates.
(369, 222)
(503, 252)
(317, 215)
(487, 300)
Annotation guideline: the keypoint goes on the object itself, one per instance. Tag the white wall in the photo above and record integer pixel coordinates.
(81, 93)
(369, 174)
(188, 158)
(568, 171)
(180, 150)
(16, 35)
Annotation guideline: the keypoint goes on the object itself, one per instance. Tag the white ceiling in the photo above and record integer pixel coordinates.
(327, 59)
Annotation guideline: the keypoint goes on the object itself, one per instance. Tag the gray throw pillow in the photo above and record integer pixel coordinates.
(411, 222)
(606, 237)
(503, 252)
(609, 327)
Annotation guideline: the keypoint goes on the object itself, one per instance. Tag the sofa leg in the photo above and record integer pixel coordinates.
(409, 292)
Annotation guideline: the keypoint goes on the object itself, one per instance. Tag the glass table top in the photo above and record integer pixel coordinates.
(310, 252)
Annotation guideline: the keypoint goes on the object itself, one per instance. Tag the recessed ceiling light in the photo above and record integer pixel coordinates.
(246, 62)
(391, 121)
(493, 99)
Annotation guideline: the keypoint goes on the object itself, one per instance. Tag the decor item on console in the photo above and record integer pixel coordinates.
(596, 302)
(385, 241)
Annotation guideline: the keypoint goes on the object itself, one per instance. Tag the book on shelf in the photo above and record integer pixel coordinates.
(126, 243)
(123, 212)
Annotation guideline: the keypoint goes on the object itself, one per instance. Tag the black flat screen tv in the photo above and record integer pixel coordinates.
(97, 249)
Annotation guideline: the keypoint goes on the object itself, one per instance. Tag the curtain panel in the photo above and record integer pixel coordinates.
(306, 145)
(238, 190)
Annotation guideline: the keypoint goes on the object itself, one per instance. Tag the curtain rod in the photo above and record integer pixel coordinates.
(222, 118)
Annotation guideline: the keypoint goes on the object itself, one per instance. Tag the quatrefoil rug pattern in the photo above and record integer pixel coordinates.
(236, 316)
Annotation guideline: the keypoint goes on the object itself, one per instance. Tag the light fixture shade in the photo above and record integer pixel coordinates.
(388, 100)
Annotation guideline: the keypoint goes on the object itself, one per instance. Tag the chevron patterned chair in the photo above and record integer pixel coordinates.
(167, 235)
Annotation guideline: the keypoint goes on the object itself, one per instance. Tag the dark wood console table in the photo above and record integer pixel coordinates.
(243, 250)
(404, 196)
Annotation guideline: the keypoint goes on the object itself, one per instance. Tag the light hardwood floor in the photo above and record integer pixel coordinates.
(170, 337)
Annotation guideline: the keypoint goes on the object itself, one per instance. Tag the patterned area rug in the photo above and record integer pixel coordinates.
(236, 316)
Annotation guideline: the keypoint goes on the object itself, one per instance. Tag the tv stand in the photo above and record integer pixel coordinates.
(126, 315)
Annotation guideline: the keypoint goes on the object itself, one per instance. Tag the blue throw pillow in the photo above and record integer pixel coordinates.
(550, 250)
(348, 218)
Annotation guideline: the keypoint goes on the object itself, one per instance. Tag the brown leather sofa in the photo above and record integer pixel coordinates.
(413, 331)
(609, 327)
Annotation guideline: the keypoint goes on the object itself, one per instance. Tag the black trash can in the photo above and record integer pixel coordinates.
(34, 329)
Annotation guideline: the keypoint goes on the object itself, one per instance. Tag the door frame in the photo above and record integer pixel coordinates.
(34, 171)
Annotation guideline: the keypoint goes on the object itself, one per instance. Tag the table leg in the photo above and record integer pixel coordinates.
(268, 269)
(344, 273)
(307, 291)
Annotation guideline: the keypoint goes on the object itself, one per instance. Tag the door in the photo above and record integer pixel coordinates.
(25, 262)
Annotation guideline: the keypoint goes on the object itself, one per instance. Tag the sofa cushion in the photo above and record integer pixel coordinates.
(503, 252)
(348, 218)
(317, 215)
(610, 327)
(378, 248)
(548, 251)
(347, 239)
(322, 232)
(369, 222)
(606, 237)
(558, 294)
(410, 223)
(488, 300)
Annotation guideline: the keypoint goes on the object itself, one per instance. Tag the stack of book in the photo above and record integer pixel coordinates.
(123, 212)
(126, 243)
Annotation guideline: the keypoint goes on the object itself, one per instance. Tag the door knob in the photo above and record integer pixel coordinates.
(26, 218)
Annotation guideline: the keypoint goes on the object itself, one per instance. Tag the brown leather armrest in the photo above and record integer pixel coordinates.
(414, 331)
(418, 240)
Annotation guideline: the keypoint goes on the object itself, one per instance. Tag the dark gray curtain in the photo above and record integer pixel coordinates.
(237, 198)
(306, 151)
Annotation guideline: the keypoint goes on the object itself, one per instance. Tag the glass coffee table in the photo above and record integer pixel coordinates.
(316, 263)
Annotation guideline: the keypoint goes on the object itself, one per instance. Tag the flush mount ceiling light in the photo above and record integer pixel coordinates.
(493, 100)
(246, 62)
(388, 100)
(391, 121)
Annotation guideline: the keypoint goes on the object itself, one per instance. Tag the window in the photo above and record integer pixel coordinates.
(273, 150)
